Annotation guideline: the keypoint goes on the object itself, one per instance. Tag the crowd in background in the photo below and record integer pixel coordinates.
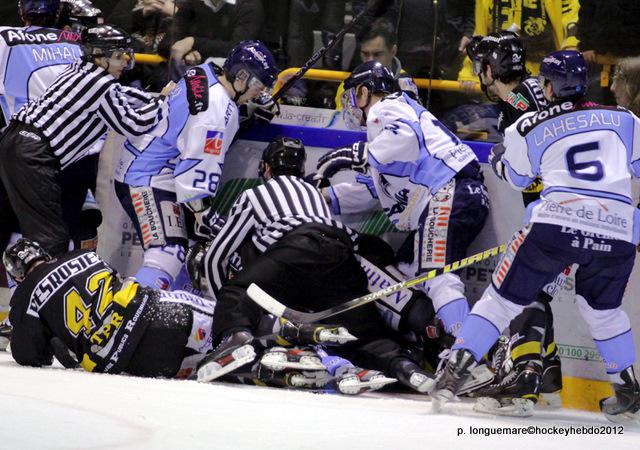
(187, 32)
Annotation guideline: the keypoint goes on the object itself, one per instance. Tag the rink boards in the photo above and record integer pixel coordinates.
(322, 129)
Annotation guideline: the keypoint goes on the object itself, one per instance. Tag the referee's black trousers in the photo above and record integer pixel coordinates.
(311, 268)
(30, 191)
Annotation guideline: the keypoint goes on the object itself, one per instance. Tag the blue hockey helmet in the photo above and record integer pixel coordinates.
(376, 78)
(567, 72)
(284, 154)
(19, 258)
(255, 58)
(29, 8)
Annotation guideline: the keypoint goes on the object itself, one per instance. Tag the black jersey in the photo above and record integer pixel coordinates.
(79, 299)
(525, 97)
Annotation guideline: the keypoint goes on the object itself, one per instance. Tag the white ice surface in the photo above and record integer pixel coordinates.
(62, 409)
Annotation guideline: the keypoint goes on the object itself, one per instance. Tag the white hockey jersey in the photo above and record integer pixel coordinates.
(586, 155)
(31, 58)
(411, 156)
(185, 152)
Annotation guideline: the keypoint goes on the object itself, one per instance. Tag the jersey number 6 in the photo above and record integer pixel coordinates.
(588, 170)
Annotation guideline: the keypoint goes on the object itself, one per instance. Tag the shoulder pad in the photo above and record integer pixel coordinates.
(197, 85)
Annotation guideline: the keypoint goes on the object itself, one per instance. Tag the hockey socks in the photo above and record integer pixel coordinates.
(453, 315)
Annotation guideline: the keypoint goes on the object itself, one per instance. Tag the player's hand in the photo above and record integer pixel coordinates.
(263, 108)
(193, 58)
(208, 223)
(353, 157)
(495, 159)
(169, 87)
(463, 44)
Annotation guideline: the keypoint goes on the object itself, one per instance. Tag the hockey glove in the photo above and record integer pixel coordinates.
(353, 157)
(208, 223)
(195, 264)
(495, 159)
(262, 110)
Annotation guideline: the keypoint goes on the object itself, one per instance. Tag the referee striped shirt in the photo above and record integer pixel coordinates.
(266, 213)
(82, 104)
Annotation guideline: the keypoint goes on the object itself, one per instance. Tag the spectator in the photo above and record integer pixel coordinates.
(379, 43)
(542, 25)
(609, 28)
(209, 28)
(626, 84)
(146, 20)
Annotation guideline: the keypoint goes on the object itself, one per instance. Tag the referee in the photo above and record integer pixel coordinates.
(49, 133)
(304, 258)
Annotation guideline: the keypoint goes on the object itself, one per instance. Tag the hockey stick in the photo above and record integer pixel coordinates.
(374, 7)
(276, 308)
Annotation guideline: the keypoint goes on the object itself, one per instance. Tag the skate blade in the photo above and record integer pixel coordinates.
(212, 370)
(480, 377)
(624, 418)
(519, 407)
(300, 380)
(338, 336)
(439, 398)
(422, 383)
(279, 361)
(354, 386)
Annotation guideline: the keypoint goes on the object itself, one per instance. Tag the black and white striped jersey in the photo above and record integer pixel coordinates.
(266, 213)
(82, 104)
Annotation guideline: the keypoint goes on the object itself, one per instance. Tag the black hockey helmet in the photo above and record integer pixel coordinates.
(44, 11)
(502, 51)
(19, 258)
(105, 41)
(79, 14)
(284, 154)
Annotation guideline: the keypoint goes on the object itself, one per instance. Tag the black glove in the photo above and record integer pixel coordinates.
(353, 157)
(208, 223)
(260, 110)
(195, 264)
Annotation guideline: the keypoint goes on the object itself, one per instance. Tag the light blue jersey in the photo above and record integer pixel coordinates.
(30, 60)
(586, 155)
(185, 152)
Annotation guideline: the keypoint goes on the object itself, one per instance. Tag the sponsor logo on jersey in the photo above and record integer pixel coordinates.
(526, 124)
(213, 142)
(199, 335)
(148, 215)
(30, 135)
(50, 284)
(434, 235)
(518, 101)
(507, 259)
(18, 36)
(197, 85)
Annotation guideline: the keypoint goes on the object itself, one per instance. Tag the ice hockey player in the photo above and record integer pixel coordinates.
(586, 156)
(498, 59)
(304, 258)
(426, 180)
(78, 302)
(62, 125)
(180, 162)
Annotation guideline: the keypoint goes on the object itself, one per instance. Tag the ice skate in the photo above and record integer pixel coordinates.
(453, 376)
(234, 351)
(410, 374)
(355, 381)
(312, 334)
(280, 358)
(292, 368)
(624, 406)
(515, 394)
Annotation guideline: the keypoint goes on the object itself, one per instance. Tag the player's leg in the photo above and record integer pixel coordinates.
(453, 219)
(600, 286)
(533, 258)
(160, 224)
